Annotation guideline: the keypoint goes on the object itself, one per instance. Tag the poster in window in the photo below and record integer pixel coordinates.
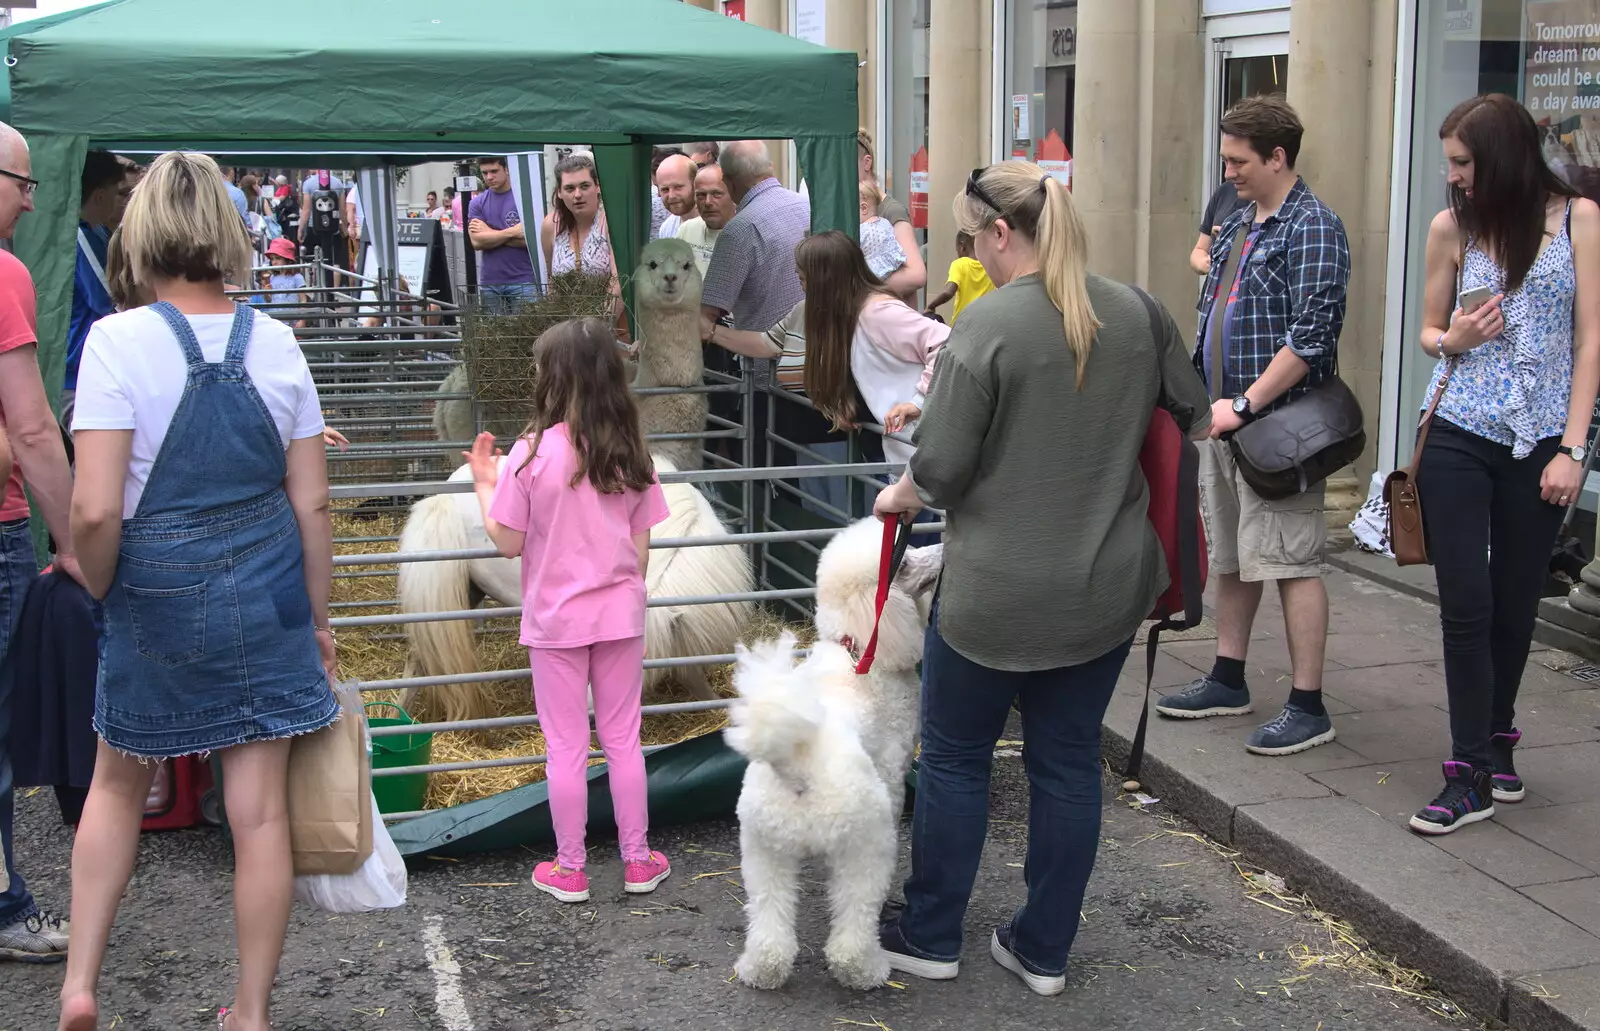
(1561, 86)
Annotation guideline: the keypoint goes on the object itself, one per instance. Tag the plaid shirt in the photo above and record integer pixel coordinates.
(752, 274)
(1291, 294)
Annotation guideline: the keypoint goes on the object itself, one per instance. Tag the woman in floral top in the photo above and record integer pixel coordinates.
(1503, 457)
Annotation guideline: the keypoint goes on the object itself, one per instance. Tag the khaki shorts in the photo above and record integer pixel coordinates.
(1258, 539)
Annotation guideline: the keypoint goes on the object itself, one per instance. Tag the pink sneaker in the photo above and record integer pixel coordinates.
(564, 885)
(642, 875)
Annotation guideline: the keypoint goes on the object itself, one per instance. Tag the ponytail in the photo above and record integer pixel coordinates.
(1064, 266)
(1040, 207)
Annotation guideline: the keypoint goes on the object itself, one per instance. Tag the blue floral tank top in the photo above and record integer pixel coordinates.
(1514, 389)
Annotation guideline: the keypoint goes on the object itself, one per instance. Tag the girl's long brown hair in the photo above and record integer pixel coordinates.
(838, 283)
(580, 380)
(1511, 184)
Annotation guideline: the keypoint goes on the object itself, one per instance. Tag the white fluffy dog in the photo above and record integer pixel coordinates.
(828, 755)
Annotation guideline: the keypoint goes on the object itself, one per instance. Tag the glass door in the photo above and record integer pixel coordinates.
(1249, 55)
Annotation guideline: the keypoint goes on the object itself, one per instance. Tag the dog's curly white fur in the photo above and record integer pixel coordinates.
(828, 753)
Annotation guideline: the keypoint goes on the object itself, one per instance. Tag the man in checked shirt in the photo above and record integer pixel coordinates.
(1276, 321)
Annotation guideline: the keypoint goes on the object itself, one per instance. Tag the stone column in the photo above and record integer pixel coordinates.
(1137, 115)
(772, 14)
(958, 141)
(1341, 82)
(852, 25)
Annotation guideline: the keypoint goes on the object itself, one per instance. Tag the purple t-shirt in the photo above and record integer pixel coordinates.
(508, 263)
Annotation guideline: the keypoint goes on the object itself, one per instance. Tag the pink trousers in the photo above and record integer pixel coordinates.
(562, 678)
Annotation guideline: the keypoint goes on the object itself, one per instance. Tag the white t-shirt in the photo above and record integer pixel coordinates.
(133, 375)
(669, 227)
(335, 184)
(354, 197)
(702, 238)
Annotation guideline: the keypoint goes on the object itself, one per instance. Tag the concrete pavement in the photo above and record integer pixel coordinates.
(1503, 915)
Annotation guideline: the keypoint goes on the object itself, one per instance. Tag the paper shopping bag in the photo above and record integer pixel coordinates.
(330, 781)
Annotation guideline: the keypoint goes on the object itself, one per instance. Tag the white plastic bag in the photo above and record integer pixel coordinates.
(380, 883)
(1371, 524)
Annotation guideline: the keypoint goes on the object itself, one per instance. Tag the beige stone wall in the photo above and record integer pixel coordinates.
(959, 53)
(853, 25)
(1136, 142)
(1341, 81)
(774, 15)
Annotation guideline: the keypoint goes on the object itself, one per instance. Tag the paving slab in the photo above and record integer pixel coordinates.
(1337, 824)
(1556, 1000)
(1577, 901)
(1408, 898)
(1570, 831)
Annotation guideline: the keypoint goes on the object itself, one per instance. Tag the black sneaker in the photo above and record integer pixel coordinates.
(1039, 984)
(901, 958)
(1467, 798)
(1507, 786)
(1205, 697)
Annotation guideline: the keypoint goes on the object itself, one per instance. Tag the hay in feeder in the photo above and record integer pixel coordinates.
(379, 653)
(497, 349)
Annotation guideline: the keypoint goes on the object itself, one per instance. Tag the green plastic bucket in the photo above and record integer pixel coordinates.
(406, 793)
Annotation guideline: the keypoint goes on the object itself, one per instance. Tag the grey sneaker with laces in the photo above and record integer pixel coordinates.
(1292, 730)
(1205, 697)
(35, 939)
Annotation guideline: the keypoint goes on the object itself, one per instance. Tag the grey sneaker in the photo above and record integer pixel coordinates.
(1292, 730)
(1205, 697)
(35, 939)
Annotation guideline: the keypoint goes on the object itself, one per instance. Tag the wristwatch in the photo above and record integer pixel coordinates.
(1577, 452)
(1241, 408)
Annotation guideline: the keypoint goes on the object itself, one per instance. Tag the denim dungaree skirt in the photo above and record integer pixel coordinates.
(208, 629)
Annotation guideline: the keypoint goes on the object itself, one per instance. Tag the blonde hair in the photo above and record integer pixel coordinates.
(180, 223)
(1040, 207)
(871, 192)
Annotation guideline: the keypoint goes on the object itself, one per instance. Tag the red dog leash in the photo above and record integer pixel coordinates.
(896, 535)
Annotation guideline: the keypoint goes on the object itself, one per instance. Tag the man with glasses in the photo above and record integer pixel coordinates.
(40, 461)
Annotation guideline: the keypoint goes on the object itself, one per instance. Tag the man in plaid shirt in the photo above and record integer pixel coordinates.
(1272, 305)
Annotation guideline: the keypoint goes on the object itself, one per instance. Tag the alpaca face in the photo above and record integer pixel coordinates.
(667, 277)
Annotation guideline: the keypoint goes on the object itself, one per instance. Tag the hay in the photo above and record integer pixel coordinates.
(379, 653)
(497, 350)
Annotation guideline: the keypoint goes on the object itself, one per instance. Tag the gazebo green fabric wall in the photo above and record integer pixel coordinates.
(408, 80)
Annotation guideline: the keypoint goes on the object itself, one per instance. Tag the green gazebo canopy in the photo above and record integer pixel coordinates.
(363, 82)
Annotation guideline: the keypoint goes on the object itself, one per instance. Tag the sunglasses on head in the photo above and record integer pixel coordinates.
(976, 190)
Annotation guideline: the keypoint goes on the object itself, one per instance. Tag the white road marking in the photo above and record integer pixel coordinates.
(447, 997)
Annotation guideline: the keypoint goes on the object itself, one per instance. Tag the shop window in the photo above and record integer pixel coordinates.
(1041, 70)
(1539, 51)
(908, 99)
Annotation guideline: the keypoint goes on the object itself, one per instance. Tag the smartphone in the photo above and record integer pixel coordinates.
(1475, 298)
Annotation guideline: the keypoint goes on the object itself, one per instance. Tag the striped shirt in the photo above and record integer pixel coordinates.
(1290, 293)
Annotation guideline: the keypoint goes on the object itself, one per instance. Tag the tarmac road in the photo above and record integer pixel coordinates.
(1169, 941)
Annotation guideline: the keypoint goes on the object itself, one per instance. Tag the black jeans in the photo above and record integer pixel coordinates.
(1489, 536)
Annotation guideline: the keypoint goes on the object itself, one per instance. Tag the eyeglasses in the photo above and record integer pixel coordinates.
(975, 190)
(28, 185)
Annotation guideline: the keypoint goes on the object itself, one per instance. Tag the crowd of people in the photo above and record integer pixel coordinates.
(214, 590)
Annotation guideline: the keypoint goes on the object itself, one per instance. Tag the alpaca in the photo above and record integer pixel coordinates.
(452, 417)
(667, 296)
(455, 522)
(828, 752)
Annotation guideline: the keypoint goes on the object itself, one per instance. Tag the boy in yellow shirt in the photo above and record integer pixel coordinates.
(968, 280)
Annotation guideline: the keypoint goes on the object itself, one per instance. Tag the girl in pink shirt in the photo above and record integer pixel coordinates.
(576, 499)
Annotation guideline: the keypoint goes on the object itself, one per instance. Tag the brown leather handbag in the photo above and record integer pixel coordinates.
(1407, 538)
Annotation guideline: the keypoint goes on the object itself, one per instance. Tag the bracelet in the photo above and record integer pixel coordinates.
(323, 630)
(1438, 344)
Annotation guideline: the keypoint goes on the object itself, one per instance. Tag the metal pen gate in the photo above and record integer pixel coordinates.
(380, 357)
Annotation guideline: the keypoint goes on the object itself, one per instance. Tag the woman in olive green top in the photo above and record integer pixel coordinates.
(1030, 444)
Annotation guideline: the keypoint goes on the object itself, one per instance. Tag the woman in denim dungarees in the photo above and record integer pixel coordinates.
(214, 573)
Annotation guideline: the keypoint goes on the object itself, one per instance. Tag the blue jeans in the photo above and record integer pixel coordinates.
(17, 572)
(964, 711)
(505, 298)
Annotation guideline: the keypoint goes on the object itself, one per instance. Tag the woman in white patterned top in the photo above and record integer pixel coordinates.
(574, 233)
(1503, 457)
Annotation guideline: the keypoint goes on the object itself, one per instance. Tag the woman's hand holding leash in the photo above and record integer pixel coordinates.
(898, 501)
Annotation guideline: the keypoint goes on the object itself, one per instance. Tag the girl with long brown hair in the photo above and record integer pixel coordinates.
(576, 499)
(868, 353)
(1515, 388)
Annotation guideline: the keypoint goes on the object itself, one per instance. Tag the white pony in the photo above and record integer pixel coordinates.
(452, 522)
(828, 753)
